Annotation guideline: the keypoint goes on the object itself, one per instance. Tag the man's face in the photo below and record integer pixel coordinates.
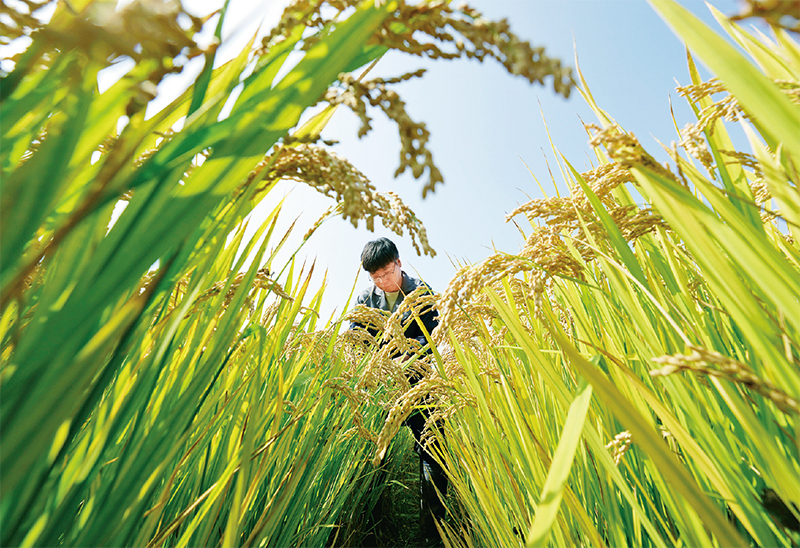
(389, 277)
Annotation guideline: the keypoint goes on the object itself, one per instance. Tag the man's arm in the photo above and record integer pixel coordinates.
(430, 319)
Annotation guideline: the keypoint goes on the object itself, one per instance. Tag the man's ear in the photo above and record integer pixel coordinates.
(399, 263)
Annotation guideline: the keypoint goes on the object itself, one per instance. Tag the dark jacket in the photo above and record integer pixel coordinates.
(376, 298)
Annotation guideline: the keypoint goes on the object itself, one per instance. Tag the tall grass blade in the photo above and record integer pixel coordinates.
(547, 509)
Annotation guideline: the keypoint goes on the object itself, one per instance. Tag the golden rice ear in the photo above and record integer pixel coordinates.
(705, 362)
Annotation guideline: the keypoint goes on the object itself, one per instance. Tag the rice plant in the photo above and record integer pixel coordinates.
(162, 381)
(631, 376)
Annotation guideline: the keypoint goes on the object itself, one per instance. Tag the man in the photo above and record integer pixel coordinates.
(381, 260)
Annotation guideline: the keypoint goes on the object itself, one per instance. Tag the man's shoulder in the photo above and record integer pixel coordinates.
(365, 297)
(410, 284)
(413, 283)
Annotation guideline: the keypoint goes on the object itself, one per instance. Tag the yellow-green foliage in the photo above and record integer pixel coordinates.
(630, 377)
(681, 318)
(159, 387)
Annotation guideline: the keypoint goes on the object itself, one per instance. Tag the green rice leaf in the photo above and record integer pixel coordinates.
(652, 444)
(628, 258)
(777, 118)
(547, 509)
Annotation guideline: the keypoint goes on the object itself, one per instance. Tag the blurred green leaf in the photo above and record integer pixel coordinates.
(547, 509)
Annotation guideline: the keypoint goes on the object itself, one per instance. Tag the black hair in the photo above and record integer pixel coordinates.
(378, 253)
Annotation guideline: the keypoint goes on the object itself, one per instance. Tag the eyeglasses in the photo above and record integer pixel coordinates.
(381, 277)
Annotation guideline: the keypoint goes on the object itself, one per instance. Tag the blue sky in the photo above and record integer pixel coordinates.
(487, 126)
(488, 136)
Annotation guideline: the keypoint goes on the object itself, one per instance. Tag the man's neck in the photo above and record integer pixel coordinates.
(391, 298)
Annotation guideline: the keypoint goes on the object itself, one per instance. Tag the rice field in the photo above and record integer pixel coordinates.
(629, 377)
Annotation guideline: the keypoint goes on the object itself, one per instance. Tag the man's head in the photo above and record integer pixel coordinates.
(381, 259)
